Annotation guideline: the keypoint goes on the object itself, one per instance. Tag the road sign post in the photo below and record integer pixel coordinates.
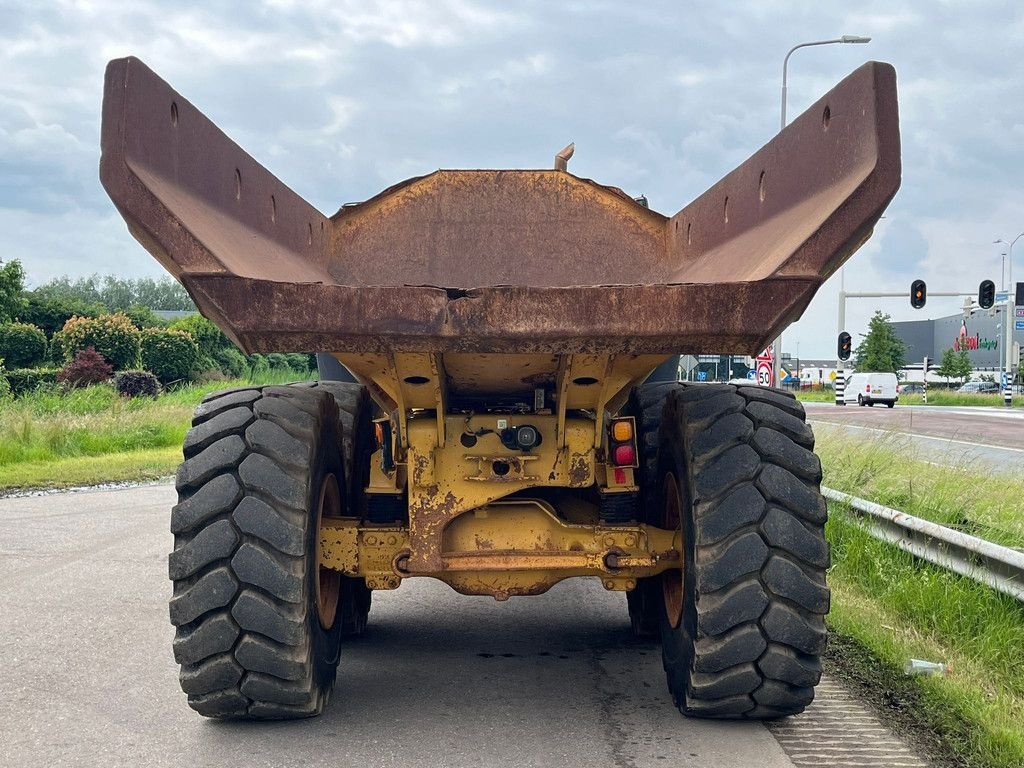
(764, 366)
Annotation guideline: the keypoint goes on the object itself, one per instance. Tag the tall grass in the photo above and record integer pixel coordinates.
(960, 493)
(899, 607)
(54, 424)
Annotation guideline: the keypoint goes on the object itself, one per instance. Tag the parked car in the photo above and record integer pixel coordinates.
(980, 387)
(871, 388)
(910, 388)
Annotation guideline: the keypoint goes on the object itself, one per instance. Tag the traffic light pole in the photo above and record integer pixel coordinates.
(1008, 322)
(840, 383)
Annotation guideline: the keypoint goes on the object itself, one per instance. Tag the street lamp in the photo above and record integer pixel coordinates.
(1009, 258)
(845, 39)
(858, 39)
(1008, 320)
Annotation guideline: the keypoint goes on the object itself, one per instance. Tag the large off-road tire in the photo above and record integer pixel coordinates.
(355, 411)
(258, 621)
(646, 404)
(743, 621)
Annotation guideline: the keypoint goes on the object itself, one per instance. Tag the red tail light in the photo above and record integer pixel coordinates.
(624, 456)
(622, 442)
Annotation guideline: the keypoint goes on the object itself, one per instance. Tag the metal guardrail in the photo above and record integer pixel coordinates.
(991, 564)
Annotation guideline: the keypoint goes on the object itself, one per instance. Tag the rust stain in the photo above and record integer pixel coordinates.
(539, 379)
(579, 469)
(421, 466)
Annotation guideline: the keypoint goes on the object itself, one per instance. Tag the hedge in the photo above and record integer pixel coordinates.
(25, 380)
(171, 355)
(22, 345)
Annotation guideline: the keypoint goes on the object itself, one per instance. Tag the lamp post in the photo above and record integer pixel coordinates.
(1009, 319)
(845, 39)
(1009, 258)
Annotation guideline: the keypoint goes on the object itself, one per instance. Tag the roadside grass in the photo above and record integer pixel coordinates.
(815, 395)
(55, 438)
(897, 607)
(958, 493)
(952, 397)
(936, 396)
(130, 466)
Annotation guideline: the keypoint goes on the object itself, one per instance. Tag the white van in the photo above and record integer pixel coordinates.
(871, 388)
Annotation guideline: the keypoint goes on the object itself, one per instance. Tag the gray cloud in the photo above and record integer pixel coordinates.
(341, 99)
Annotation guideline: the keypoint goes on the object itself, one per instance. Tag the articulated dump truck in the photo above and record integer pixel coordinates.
(485, 413)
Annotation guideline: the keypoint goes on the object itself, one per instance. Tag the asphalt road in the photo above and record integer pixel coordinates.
(439, 680)
(993, 437)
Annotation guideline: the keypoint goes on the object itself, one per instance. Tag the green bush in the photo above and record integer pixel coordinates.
(88, 367)
(258, 364)
(277, 361)
(170, 354)
(205, 334)
(25, 380)
(50, 313)
(230, 361)
(22, 345)
(300, 361)
(136, 384)
(143, 317)
(113, 336)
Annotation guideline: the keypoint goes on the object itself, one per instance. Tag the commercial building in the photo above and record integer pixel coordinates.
(981, 335)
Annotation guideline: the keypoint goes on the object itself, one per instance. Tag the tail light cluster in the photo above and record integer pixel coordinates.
(622, 442)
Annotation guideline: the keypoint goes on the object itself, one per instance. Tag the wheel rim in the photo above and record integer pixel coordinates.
(672, 580)
(328, 581)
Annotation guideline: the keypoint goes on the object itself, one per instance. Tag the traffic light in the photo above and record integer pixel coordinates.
(918, 294)
(845, 345)
(986, 294)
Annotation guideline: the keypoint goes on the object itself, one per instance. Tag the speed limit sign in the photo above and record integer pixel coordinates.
(764, 373)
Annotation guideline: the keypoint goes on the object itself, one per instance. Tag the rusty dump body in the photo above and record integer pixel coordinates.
(484, 261)
(475, 301)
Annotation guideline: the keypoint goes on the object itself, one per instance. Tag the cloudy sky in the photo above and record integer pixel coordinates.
(341, 98)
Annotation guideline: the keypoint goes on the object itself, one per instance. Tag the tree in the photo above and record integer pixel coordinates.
(955, 365)
(881, 350)
(12, 283)
(50, 314)
(118, 294)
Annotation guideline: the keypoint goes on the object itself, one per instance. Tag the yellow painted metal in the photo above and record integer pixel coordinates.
(445, 482)
(445, 478)
(506, 374)
(508, 547)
